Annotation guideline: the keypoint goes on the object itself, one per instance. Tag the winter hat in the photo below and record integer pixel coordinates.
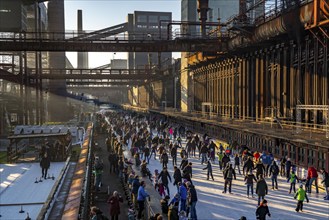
(243, 218)
(301, 186)
(264, 201)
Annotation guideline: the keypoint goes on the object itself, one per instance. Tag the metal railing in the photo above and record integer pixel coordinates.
(85, 198)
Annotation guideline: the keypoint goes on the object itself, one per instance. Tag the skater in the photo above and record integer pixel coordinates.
(177, 177)
(147, 154)
(283, 165)
(164, 175)
(261, 188)
(114, 201)
(209, 170)
(173, 153)
(45, 164)
(229, 173)
(225, 161)
(260, 169)
(300, 196)
(164, 158)
(293, 179)
(248, 165)
(266, 160)
(262, 211)
(183, 196)
(274, 172)
(250, 183)
(161, 189)
(312, 174)
(220, 158)
(288, 167)
(237, 162)
(203, 151)
(187, 172)
(325, 182)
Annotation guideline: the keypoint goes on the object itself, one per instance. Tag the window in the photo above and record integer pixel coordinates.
(164, 18)
(153, 19)
(321, 160)
(277, 150)
(292, 152)
(270, 146)
(310, 157)
(284, 150)
(301, 154)
(142, 18)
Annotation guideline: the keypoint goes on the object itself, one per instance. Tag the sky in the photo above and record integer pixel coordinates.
(99, 14)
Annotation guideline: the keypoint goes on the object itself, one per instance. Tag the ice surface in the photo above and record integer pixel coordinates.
(17, 187)
(213, 204)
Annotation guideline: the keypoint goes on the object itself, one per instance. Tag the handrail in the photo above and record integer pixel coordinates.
(47, 207)
(84, 211)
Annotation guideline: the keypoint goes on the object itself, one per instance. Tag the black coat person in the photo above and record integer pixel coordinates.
(164, 176)
(45, 164)
(248, 165)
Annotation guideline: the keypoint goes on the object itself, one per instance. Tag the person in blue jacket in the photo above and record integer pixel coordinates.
(141, 197)
(266, 161)
(183, 196)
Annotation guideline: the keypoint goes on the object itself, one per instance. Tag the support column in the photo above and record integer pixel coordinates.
(278, 80)
(325, 75)
(247, 81)
(240, 90)
(244, 91)
(257, 87)
(284, 81)
(231, 89)
(272, 85)
(292, 82)
(261, 84)
(315, 81)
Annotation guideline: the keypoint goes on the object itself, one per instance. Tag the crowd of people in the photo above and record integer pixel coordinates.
(145, 138)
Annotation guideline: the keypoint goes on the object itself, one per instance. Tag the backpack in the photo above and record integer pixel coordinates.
(275, 170)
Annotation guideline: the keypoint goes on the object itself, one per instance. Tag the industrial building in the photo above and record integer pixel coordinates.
(252, 72)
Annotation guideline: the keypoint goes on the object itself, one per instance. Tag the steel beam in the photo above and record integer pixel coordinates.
(97, 76)
(177, 45)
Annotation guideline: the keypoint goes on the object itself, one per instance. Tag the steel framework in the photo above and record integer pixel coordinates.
(324, 108)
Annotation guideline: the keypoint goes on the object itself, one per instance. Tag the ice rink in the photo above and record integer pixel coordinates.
(213, 204)
(18, 189)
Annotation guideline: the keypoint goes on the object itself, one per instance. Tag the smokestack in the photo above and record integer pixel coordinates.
(202, 10)
(56, 24)
(82, 56)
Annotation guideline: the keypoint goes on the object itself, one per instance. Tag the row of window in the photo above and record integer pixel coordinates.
(152, 18)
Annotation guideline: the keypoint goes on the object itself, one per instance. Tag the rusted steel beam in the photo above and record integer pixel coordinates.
(177, 45)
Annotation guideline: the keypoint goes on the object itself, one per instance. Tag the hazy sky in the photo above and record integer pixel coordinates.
(99, 14)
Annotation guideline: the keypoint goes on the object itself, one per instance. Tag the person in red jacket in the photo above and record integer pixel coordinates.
(256, 156)
(312, 175)
(114, 201)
